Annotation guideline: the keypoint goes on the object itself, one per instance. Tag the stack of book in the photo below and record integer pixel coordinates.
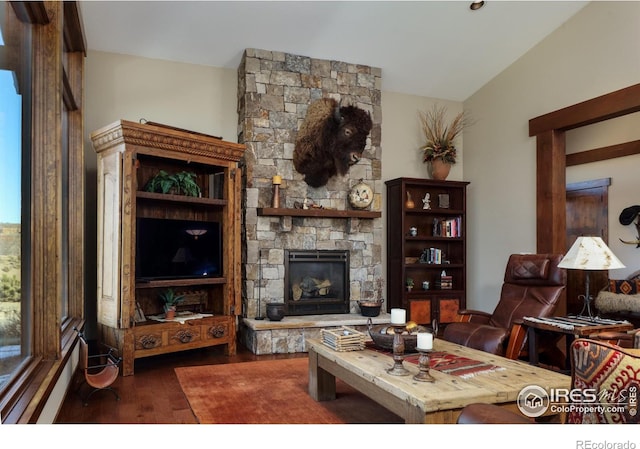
(447, 227)
(431, 255)
(445, 283)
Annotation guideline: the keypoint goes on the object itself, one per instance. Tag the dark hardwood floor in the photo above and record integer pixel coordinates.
(152, 395)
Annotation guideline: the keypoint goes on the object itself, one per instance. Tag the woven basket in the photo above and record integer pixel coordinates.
(343, 339)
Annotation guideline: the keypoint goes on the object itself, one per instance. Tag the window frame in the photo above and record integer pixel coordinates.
(56, 291)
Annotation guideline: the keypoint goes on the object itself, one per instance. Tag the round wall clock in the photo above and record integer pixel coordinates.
(360, 196)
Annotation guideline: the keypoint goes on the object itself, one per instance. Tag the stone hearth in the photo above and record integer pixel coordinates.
(289, 335)
(274, 91)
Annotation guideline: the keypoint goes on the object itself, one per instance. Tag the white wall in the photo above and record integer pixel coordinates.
(625, 182)
(402, 135)
(203, 99)
(193, 97)
(594, 53)
(401, 141)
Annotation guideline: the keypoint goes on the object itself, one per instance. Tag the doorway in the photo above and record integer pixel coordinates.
(587, 209)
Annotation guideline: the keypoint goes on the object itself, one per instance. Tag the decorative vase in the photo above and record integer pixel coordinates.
(439, 169)
(409, 204)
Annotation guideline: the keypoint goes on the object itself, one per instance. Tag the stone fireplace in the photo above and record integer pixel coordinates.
(274, 91)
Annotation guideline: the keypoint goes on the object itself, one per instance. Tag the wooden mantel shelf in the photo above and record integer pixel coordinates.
(317, 213)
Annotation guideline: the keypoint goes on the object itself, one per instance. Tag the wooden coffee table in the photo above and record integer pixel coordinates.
(423, 402)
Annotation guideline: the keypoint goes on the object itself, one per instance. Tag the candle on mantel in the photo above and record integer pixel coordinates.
(425, 340)
(398, 316)
(277, 180)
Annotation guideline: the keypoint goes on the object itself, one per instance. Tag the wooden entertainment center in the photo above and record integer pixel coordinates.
(130, 313)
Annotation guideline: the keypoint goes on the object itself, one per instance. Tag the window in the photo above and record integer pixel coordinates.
(14, 152)
(42, 205)
(10, 228)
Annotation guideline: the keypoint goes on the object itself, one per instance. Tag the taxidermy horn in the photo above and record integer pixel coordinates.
(336, 114)
(636, 242)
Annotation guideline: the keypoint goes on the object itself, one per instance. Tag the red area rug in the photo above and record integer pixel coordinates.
(271, 392)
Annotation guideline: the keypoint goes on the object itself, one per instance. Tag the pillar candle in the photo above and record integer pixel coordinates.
(425, 340)
(398, 316)
(277, 180)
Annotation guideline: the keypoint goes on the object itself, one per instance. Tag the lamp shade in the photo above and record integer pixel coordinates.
(590, 253)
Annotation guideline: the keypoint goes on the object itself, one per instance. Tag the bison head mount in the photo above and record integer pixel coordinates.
(330, 140)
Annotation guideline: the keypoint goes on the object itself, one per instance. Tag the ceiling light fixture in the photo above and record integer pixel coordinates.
(476, 5)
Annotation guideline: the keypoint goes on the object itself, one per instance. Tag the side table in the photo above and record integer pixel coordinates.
(572, 327)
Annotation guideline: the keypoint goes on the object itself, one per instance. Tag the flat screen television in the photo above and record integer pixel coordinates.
(174, 249)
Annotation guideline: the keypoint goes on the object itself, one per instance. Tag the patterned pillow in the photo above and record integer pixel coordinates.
(624, 286)
(613, 373)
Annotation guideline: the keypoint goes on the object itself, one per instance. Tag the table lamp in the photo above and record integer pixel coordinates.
(589, 253)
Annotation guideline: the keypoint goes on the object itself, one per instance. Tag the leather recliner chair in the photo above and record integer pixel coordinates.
(532, 286)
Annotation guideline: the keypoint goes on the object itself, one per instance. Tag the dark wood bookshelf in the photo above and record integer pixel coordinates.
(404, 249)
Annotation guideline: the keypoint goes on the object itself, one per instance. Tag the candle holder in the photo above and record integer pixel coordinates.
(275, 203)
(398, 368)
(423, 364)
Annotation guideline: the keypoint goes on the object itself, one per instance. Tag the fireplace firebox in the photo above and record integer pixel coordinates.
(316, 282)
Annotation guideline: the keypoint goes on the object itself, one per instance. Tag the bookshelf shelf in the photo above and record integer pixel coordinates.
(441, 238)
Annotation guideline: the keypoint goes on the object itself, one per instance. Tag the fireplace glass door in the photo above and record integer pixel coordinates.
(316, 282)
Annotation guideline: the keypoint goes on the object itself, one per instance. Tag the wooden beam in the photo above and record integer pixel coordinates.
(615, 104)
(551, 193)
(316, 213)
(604, 153)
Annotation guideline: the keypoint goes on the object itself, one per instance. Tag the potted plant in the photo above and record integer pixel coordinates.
(409, 284)
(181, 183)
(187, 185)
(162, 182)
(170, 300)
(439, 149)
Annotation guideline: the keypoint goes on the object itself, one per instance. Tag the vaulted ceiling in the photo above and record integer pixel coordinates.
(439, 49)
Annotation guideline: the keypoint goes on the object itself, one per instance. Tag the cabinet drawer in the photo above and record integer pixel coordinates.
(448, 309)
(183, 335)
(217, 327)
(165, 334)
(423, 311)
(420, 311)
(215, 331)
(148, 337)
